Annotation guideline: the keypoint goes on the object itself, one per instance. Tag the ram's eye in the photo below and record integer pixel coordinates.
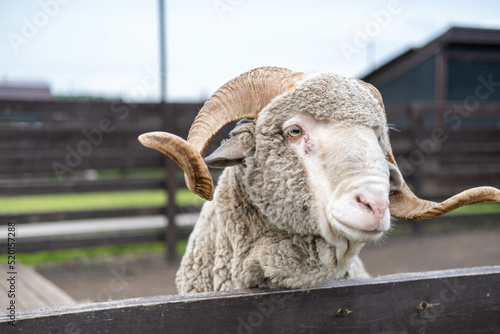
(294, 132)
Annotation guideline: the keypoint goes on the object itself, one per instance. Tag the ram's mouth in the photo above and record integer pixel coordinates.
(352, 232)
(368, 232)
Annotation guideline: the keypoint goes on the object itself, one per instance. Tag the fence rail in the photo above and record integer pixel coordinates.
(463, 300)
(446, 148)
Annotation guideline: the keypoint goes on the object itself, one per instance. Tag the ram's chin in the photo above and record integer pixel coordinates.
(337, 227)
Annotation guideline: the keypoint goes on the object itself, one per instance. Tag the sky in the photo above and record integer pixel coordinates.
(110, 48)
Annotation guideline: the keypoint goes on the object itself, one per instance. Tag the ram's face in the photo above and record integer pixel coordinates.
(347, 174)
(323, 147)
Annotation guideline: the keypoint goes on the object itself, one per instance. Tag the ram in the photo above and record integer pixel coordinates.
(309, 179)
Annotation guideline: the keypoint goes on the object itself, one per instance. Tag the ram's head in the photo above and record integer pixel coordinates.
(314, 152)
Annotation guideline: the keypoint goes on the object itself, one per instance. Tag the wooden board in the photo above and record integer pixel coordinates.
(462, 300)
(33, 291)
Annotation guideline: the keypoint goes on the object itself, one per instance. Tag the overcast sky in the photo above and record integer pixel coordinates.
(110, 47)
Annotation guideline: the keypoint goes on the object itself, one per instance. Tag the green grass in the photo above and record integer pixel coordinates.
(93, 201)
(477, 209)
(92, 253)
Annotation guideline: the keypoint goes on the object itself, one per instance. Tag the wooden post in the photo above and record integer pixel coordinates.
(169, 125)
(171, 186)
(417, 130)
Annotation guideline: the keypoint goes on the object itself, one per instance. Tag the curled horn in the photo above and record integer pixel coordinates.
(242, 97)
(404, 204)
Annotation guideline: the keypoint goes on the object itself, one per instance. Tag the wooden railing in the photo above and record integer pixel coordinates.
(449, 301)
(444, 149)
(50, 147)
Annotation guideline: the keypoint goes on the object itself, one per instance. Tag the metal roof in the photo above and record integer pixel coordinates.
(24, 90)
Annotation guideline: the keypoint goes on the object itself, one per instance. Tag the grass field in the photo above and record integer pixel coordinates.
(93, 201)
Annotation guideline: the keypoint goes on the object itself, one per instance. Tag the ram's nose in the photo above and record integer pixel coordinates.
(374, 204)
(362, 209)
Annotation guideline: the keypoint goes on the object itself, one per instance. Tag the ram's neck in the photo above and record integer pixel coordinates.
(234, 205)
(246, 227)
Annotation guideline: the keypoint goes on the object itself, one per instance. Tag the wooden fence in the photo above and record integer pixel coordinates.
(444, 149)
(450, 301)
(50, 147)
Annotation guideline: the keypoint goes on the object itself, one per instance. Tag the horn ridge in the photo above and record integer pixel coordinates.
(241, 97)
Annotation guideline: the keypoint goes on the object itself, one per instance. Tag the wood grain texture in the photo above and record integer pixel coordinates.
(32, 290)
(462, 300)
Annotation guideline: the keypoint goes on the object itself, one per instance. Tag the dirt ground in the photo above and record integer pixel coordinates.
(129, 276)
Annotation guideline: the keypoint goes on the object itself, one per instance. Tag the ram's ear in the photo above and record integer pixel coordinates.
(234, 150)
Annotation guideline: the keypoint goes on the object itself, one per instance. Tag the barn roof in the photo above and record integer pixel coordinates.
(24, 90)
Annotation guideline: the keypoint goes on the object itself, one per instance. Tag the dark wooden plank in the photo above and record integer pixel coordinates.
(462, 300)
(446, 115)
(67, 110)
(34, 135)
(467, 173)
(36, 186)
(104, 239)
(77, 128)
(72, 185)
(73, 132)
(64, 161)
(62, 111)
(442, 192)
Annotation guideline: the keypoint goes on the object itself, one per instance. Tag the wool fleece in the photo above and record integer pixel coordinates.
(261, 230)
